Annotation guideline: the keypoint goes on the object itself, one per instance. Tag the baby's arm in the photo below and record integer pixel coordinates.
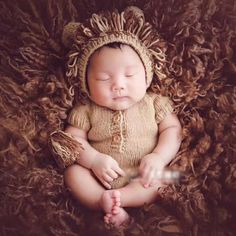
(168, 145)
(104, 166)
(170, 136)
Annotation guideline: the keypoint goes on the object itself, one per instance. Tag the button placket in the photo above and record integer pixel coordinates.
(117, 131)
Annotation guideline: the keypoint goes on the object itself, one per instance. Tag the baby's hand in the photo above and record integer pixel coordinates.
(106, 169)
(150, 169)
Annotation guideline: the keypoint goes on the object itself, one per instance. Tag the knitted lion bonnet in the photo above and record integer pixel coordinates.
(128, 27)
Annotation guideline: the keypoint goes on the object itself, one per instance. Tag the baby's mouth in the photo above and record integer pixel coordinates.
(119, 98)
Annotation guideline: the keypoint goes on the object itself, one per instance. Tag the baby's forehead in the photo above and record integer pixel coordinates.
(113, 49)
(123, 55)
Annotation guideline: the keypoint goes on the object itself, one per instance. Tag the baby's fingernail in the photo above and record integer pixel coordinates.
(145, 185)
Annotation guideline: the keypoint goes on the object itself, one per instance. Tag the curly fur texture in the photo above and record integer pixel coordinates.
(35, 99)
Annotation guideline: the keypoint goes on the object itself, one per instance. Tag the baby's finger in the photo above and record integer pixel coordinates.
(106, 184)
(148, 179)
(112, 174)
(143, 182)
(144, 175)
(119, 171)
(144, 170)
(107, 178)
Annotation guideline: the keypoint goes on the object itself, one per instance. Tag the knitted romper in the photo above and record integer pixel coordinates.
(125, 135)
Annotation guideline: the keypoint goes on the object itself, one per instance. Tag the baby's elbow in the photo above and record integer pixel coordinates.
(178, 129)
(179, 133)
(172, 126)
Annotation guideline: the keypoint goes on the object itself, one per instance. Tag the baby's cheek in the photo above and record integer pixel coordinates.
(98, 94)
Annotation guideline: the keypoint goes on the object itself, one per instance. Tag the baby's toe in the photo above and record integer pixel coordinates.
(116, 194)
(116, 197)
(117, 203)
(107, 218)
(115, 210)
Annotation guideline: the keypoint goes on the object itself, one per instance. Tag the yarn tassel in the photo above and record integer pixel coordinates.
(65, 148)
(157, 69)
(72, 68)
(134, 20)
(153, 42)
(118, 21)
(146, 32)
(158, 54)
(99, 23)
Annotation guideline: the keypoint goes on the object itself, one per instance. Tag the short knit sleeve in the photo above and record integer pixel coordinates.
(163, 106)
(79, 117)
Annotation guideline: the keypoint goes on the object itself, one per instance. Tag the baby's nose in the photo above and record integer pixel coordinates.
(118, 84)
(118, 88)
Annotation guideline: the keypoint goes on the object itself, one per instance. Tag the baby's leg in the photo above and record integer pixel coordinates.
(135, 195)
(89, 191)
(83, 186)
(92, 194)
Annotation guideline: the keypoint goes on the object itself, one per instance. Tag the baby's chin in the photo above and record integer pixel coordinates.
(119, 106)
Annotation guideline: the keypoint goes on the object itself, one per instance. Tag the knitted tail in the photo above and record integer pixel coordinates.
(65, 148)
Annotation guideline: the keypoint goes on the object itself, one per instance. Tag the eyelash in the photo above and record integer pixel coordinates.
(129, 76)
(102, 79)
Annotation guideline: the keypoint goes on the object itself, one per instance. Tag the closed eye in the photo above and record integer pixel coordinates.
(102, 79)
(130, 75)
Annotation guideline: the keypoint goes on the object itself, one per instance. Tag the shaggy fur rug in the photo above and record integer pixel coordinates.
(35, 99)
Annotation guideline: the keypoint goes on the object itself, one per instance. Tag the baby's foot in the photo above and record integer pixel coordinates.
(110, 201)
(119, 220)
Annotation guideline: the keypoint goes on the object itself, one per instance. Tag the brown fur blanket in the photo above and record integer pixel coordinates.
(35, 99)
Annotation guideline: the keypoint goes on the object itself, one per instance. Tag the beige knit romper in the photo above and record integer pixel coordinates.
(125, 135)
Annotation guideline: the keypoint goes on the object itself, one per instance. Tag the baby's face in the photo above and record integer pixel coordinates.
(116, 78)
